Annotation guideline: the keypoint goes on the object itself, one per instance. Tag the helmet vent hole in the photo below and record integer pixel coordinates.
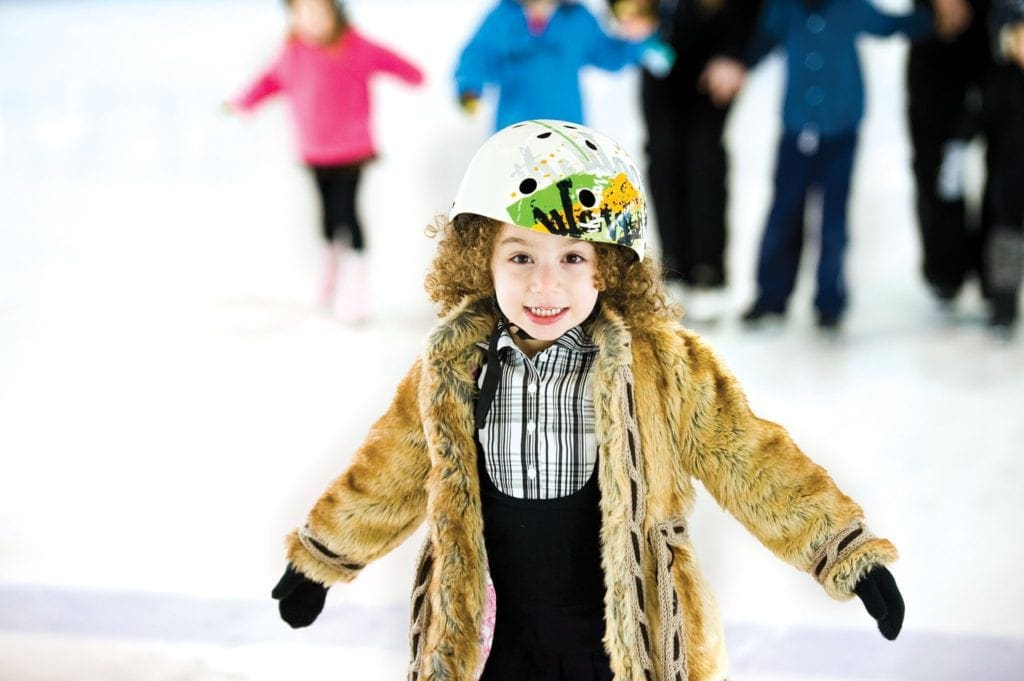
(571, 127)
(544, 135)
(591, 145)
(528, 186)
(587, 198)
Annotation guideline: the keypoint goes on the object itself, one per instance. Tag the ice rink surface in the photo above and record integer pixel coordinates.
(171, 403)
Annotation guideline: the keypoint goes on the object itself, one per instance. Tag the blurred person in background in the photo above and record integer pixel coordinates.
(984, 65)
(945, 82)
(1003, 244)
(324, 71)
(532, 51)
(823, 107)
(687, 164)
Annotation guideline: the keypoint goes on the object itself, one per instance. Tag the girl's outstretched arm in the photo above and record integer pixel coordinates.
(378, 501)
(756, 472)
(478, 62)
(266, 85)
(384, 59)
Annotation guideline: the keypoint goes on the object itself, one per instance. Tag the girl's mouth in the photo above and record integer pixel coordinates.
(545, 315)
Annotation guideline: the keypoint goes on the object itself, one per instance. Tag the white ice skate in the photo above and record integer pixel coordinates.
(704, 305)
(353, 301)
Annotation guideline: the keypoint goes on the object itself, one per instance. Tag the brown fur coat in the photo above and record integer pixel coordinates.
(666, 412)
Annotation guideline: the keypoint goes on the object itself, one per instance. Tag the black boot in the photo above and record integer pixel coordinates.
(760, 314)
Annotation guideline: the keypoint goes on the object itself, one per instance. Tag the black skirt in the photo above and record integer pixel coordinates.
(545, 561)
(548, 644)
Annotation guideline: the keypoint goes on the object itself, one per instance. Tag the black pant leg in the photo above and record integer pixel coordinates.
(665, 185)
(1003, 238)
(704, 171)
(936, 98)
(782, 243)
(349, 215)
(323, 189)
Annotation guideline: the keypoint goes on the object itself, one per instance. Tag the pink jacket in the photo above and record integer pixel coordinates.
(328, 93)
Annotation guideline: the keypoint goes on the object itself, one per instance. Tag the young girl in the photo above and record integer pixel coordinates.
(549, 436)
(324, 70)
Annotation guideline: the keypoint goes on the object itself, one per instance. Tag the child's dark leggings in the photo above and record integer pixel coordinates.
(337, 187)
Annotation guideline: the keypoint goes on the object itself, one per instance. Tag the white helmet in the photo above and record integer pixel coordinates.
(557, 178)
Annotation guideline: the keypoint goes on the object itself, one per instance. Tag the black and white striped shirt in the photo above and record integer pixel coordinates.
(538, 439)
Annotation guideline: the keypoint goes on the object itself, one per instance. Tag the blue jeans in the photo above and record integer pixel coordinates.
(829, 167)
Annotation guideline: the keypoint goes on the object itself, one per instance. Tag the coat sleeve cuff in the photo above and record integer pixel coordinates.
(846, 556)
(311, 556)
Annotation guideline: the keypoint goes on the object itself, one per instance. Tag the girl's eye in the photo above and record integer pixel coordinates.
(574, 258)
(520, 259)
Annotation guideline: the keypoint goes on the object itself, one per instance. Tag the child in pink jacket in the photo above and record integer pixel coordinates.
(324, 70)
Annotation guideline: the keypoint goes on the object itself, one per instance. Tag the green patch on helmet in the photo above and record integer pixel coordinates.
(585, 206)
(569, 207)
(563, 195)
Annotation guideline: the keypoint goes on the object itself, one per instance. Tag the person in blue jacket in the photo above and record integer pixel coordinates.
(533, 50)
(822, 110)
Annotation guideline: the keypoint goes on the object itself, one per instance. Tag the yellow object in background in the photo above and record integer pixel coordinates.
(469, 102)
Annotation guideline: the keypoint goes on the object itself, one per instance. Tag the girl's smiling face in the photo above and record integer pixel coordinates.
(544, 283)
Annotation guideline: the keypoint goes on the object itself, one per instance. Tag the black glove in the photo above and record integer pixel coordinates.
(882, 599)
(301, 599)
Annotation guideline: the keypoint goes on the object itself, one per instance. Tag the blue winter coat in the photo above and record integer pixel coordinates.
(537, 76)
(824, 86)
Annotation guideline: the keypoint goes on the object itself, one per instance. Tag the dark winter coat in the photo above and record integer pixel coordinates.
(824, 84)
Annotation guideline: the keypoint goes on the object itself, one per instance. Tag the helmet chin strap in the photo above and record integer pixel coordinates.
(515, 330)
(520, 333)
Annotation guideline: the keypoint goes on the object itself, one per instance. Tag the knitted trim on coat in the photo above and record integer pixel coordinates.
(418, 626)
(838, 547)
(663, 537)
(637, 503)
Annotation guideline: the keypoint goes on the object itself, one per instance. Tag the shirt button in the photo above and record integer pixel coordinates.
(814, 61)
(530, 426)
(531, 472)
(531, 388)
(815, 23)
(814, 95)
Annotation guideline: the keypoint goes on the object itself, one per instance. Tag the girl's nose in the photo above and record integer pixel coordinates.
(545, 277)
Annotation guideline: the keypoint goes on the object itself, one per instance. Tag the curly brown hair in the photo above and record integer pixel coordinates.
(462, 268)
